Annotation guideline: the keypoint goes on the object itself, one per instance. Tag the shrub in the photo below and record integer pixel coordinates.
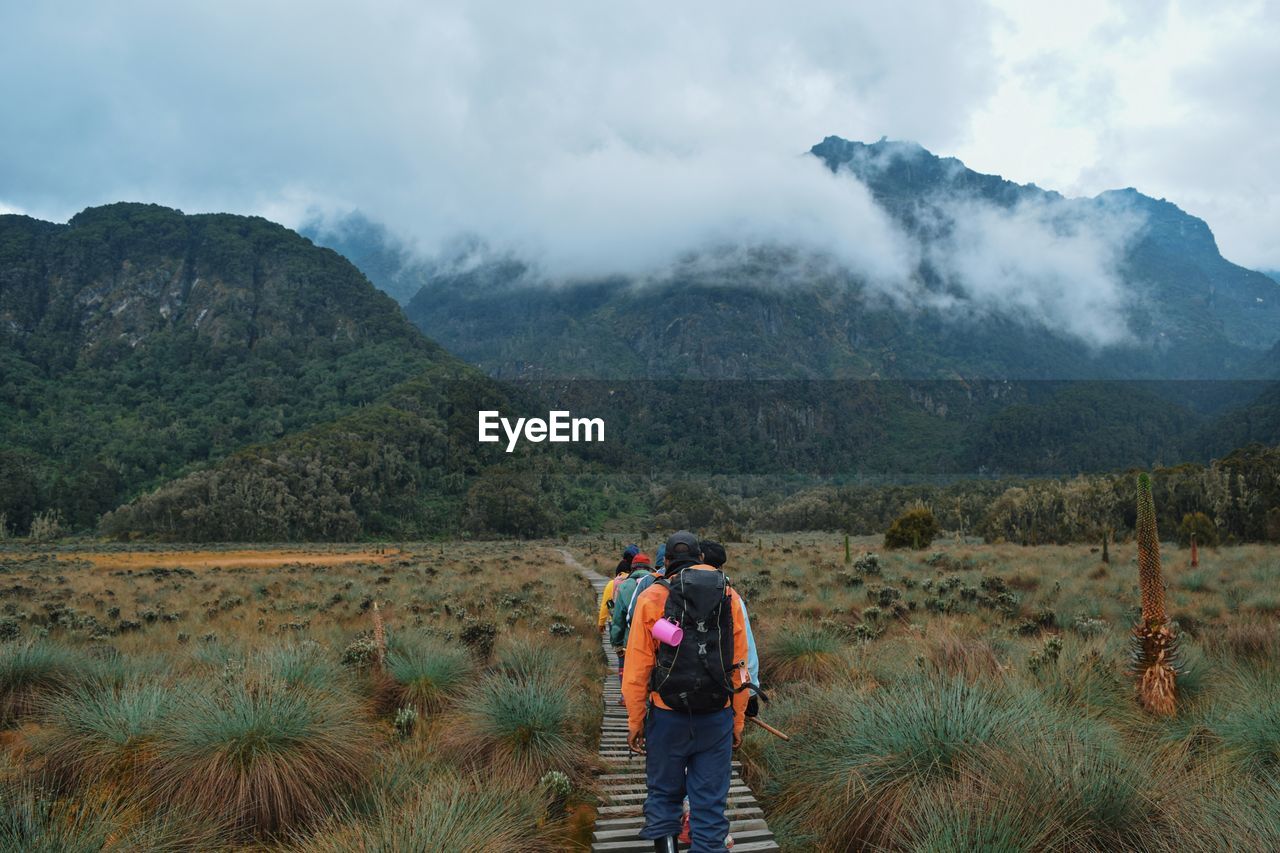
(915, 528)
(479, 637)
(428, 674)
(31, 670)
(868, 564)
(519, 729)
(46, 526)
(406, 721)
(263, 759)
(361, 653)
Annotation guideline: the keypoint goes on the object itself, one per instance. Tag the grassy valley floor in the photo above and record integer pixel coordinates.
(966, 696)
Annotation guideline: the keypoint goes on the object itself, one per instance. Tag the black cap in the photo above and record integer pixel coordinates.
(713, 553)
(683, 545)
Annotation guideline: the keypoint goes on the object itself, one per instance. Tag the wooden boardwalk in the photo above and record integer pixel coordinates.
(622, 784)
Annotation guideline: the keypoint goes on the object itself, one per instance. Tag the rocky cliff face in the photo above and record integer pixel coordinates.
(116, 277)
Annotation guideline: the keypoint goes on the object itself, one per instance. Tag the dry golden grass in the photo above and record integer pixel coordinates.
(983, 700)
(269, 717)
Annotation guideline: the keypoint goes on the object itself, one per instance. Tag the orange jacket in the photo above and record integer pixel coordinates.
(642, 649)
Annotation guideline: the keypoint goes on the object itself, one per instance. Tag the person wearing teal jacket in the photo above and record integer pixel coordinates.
(620, 625)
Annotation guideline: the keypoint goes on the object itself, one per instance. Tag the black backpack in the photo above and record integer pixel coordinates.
(695, 675)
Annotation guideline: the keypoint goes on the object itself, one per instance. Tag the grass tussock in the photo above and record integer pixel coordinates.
(450, 812)
(32, 670)
(140, 706)
(807, 653)
(98, 734)
(520, 729)
(427, 675)
(32, 821)
(262, 759)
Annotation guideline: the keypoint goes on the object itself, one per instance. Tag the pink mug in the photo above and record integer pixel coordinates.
(666, 631)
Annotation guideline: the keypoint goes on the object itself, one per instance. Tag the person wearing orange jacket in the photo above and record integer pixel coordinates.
(686, 703)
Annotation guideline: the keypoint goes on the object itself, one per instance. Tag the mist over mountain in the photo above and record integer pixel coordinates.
(973, 276)
(391, 265)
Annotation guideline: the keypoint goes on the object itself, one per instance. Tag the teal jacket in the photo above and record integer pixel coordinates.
(620, 626)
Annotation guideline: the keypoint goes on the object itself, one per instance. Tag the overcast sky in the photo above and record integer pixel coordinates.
(607, 133)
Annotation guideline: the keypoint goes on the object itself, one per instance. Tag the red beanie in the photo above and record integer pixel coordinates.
(641, 559)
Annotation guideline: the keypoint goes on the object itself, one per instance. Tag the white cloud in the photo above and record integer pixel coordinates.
(1173, 97)
(612, 137)
(1051, 262)
(598, 134)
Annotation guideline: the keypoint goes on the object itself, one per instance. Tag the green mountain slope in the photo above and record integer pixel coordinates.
(136, 341)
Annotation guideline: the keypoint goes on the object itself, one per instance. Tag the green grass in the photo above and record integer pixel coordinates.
(804, 654)
(1248, 728)
(300, 665)
(32, 822)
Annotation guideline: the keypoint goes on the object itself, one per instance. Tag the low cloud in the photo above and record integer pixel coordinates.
(1050, 261)
(619, 211)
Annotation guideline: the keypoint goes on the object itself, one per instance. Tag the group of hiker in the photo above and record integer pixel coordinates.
(690, 679)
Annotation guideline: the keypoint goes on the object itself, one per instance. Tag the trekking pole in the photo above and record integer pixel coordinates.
(768, 728)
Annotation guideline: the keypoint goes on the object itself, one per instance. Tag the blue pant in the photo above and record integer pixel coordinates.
(693, 754)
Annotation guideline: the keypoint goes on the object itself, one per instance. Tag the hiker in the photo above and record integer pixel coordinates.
(607, 597)
(659, 567)
(619, 623)
(628, 554)
(686, 703)
(714, 555)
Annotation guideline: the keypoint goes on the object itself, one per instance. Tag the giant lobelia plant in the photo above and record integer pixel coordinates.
(1155, 646)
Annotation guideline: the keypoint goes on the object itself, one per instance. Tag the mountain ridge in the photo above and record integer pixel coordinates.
(1185, 312)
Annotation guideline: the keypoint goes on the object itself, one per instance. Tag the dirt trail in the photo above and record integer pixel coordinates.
(572, 561)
